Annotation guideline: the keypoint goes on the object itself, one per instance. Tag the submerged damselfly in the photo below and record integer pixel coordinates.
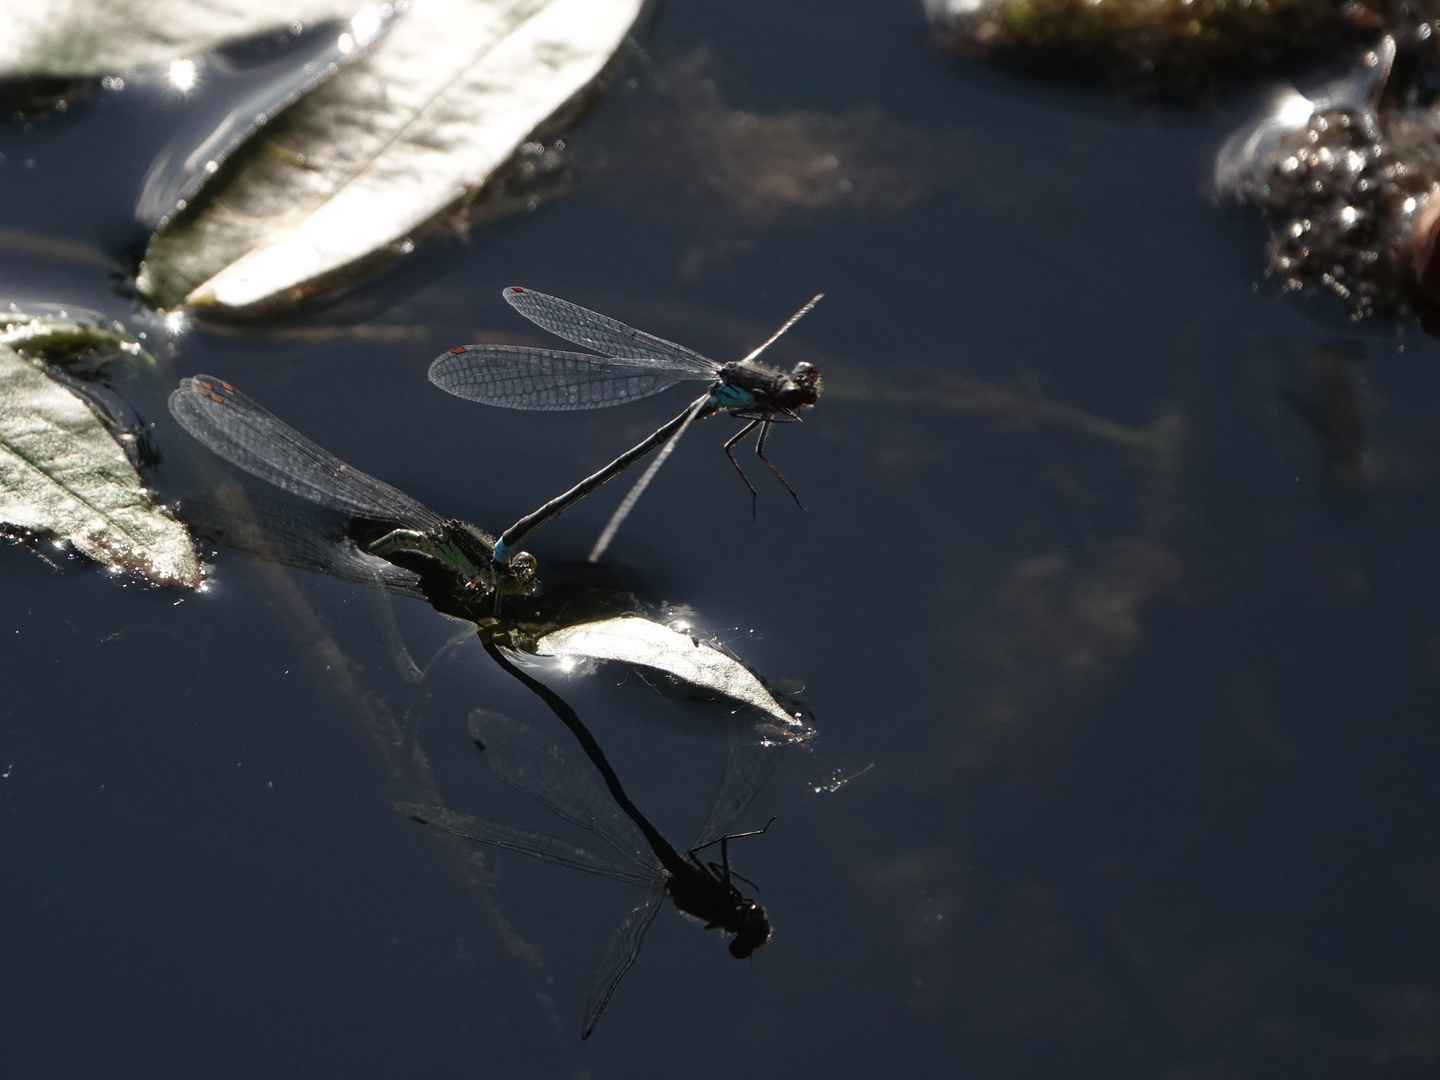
(631, 364)
(528, 761)
(254, 439)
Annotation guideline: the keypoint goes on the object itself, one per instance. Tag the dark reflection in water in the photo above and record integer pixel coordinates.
(704, 890)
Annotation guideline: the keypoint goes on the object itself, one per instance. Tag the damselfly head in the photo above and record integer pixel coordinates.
(518, 577)
(801, 389)
(751, 928)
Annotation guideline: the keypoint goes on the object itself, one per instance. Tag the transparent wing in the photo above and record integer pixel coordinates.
(605, 335)
(551, 849)
(633, 495)
(748, 768)
(303, 537)
(567, 786)
(262, 444)
(515, 377)
(620, 954)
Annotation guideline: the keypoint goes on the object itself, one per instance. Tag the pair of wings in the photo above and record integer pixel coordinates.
(252, 438)
(631, 363)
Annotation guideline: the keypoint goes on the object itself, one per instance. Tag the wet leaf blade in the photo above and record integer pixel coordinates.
(343, 178)
(635, 640)
(63, 474)
(88, 38)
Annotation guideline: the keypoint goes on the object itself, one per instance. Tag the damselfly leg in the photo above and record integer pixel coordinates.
(724, 842)
(764, 426)
(760, 453)
(729, 443)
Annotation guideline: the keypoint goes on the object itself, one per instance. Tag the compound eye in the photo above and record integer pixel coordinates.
(790, 396)
(805, 368)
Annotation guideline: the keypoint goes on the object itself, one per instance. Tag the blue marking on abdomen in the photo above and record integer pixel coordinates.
(502, 553)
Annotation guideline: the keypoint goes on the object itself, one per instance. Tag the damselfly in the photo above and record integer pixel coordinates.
(532, 763)
(254, 439)
(631, 364)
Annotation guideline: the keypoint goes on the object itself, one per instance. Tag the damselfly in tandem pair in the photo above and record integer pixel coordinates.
(457, 554)
(631, 365)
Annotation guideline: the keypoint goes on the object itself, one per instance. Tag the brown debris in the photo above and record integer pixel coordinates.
(1056, 629)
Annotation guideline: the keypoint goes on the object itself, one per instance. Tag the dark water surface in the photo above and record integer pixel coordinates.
(1152, 719)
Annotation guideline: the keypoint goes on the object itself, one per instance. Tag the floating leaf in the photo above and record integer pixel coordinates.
(250, 87)
(639, 641)
(86, 38)
(63, 474)
(340, 181)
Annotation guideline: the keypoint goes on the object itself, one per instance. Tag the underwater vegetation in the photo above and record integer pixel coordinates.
(1168, 48)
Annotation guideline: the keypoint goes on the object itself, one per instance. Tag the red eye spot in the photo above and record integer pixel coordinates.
(457, 350)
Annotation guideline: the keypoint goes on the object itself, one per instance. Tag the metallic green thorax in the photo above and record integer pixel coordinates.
(466, 553)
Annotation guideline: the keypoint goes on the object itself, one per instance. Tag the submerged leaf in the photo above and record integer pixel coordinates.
(87, 38)
(66, 335)
(636, 640)
(341, 180)
(62, 474)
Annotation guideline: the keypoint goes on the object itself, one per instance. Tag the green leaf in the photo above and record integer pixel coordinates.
(342, 180)
(636, 640)
(63, 474)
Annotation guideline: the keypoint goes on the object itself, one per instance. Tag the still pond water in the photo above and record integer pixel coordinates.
(1143, 705)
